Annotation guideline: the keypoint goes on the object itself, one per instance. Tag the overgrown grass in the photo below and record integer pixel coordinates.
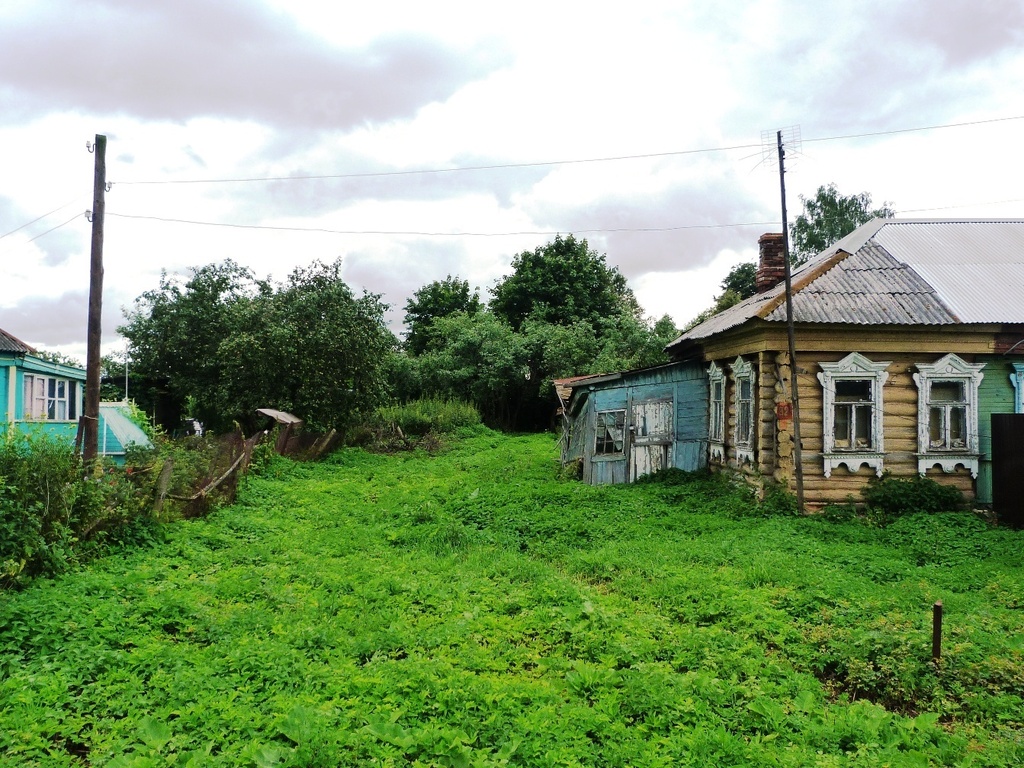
(468, 608)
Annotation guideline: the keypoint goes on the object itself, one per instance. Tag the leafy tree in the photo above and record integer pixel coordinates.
(175, 332)
(739, 284)
(562, 282)
(828, 217)
(227, 344)
(438, 299)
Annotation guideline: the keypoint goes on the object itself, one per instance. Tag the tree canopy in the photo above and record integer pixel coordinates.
(828, 217)
(562, 282)
(438, 299)
(225, 343)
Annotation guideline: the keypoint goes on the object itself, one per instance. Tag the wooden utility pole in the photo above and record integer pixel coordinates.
(798, 448)
(91, 413)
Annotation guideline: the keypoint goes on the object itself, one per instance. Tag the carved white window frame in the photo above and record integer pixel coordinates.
(948, 368)
(716, 416)
(743, 371)
(853, 367)
(1017, 379)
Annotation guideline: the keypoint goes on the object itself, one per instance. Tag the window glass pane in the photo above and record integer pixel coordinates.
(744, 389)
(937, 427)
(51, 390)
(853, 390)
(957, 427)
(863, 427)
(948, 392)
(610, 431)
(743, 424)
(842, 426)
(718, 391)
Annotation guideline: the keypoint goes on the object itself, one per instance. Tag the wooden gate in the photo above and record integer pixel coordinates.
(1008, 468)
(651, 438)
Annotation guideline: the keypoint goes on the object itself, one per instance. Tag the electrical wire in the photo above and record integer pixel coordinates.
(547, 163)
(40, 218)
(416, 233)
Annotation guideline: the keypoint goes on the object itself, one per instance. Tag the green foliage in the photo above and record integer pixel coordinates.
(419, 417)
(562, 282)
(828, 217)
(739, 284)
(227, 343)
(50, 517)
(440, 298)
(889, 498)
(469, 608)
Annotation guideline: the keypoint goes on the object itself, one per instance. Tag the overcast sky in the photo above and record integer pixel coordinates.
(416, 140)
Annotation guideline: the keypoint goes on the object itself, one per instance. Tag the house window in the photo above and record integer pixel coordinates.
(947, 414)
(1017, 379)
(48, 398)
(852, 416)
(611, 428)
(716, 412)
(743, 398)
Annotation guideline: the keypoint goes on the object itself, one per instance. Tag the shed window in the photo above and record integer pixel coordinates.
(611, 428)
(49, 398)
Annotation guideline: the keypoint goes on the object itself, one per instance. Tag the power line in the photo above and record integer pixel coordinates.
(40, 218)
(548, 163)
(416, 233)
(51, 229)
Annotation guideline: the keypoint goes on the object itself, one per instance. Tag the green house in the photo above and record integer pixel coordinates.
(38, 396)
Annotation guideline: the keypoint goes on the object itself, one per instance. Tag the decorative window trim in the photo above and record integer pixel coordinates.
(950, 368)
(49, 398)
(743, 371)
(716, 417)
(610, 434)
(853, 367)
(1017, 379)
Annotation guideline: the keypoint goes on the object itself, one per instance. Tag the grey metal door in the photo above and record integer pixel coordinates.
(1008, 468)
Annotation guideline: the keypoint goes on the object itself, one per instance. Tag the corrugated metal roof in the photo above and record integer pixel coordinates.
(976, 266)
(9, 343)
(867, 288)
(900, 272)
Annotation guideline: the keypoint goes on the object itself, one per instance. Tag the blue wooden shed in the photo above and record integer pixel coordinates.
(621, 426)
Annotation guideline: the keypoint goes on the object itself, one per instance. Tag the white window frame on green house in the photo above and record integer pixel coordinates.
(861, 439)
(610, 434)
(49, 398)
(1017, 379)
(716, 413)
(947, 414)
(743, 398)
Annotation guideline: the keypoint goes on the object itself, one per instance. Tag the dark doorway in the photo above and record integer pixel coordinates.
(1008, 468)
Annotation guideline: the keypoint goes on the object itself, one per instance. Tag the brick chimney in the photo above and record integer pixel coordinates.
(771, 267)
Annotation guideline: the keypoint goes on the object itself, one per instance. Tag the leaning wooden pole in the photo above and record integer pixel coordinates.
(798, 448)
(92, 360)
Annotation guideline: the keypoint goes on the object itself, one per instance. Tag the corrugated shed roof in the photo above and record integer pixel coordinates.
(121, 427)
(9, 343)
(900, 272)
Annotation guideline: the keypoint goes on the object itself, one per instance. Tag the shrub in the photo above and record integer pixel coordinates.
(419, 417)
(890, 498)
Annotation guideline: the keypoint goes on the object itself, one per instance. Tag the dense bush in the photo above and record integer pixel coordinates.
(890, 497)
(50, 515)
(420, 417)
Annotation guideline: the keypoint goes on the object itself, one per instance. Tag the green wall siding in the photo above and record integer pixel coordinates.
(995, 395)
